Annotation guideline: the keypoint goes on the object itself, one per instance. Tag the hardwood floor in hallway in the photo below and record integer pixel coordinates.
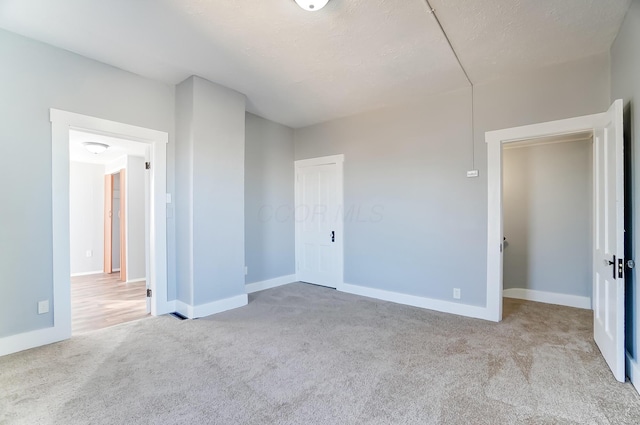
(102, 300)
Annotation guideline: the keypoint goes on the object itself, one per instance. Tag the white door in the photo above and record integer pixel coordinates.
(319, 218)
(608, 262)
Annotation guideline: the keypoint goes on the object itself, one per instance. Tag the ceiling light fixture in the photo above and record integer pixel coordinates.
(95, 148)
(312, 5)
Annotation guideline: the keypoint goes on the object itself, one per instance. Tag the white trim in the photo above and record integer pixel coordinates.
(24, 341)
(142, 279)
(115, 270)
(323, 160)
(61, 123)
(633, 371)
(416, 301)
(203, 310)
(548, 297)
(528, 144)
(87, 273)
(311, 162)
(270, 283)
(495, 141)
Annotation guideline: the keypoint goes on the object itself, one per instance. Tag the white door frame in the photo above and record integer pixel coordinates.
(61, 123)
(339, 161)
(495, 141)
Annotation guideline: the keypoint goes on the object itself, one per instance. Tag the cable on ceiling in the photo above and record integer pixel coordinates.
(432, 11)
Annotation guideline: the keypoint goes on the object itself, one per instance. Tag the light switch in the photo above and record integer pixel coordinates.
(89, 253)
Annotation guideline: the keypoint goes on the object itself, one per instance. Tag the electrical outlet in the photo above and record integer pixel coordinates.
(89, 253)
(246, 270)
(43, 307)
(456, 293)
(473, 173)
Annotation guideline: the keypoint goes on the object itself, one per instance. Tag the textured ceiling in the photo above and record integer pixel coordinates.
(502, 37)
(300, 68)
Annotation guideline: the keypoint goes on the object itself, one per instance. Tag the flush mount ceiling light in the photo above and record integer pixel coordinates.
(95, 147)
(312, 5)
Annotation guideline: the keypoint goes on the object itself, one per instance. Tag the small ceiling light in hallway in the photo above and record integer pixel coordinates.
(95, 148)
(312, 5)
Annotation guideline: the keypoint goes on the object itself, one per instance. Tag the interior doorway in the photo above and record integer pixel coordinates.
(547, 206)
(109, 197)
(607, 234)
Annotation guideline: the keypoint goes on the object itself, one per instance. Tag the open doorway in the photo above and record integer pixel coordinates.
(607, 232)
(108, 200)
(547, 207)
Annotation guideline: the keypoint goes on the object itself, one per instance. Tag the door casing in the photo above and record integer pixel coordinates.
(61, 123)
(108, 223)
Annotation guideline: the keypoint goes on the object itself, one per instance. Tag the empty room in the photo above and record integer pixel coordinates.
(319, 212)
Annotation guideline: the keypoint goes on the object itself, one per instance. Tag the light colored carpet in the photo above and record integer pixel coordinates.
(302, 354)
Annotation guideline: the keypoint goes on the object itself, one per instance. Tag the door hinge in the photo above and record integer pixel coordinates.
(620, 268)
(147, 165)
(148, 293)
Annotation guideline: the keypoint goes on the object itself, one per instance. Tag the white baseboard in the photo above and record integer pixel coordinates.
(24, 341)
(203, 310)
(633, 371)
(416, 301)
(271, 283)
(115, 270)
(87, 273)
(548, 297)
(142, 279)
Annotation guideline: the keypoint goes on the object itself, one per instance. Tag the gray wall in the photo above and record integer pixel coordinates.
(135, 206)
(269, 200)
(183, 200)
(33, 78)
(409, 164)
(211, 130)
(86, 217)
(625, 79)
(547, 218)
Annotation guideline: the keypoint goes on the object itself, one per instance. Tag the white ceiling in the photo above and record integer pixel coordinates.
(117, 148)
(300, 68)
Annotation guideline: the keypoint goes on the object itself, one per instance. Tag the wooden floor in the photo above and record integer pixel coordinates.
(101, 300)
